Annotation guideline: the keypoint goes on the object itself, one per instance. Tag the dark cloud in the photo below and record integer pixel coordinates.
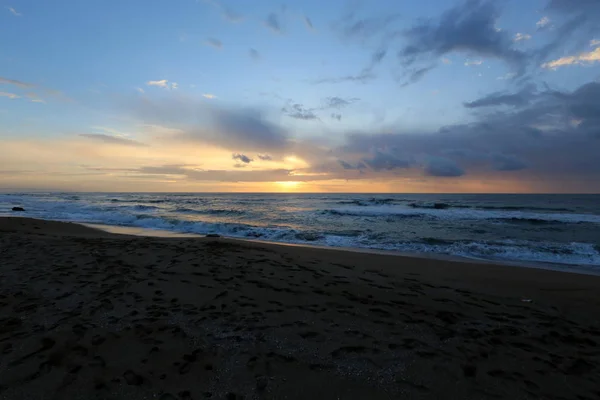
(216, 43)
(574, 6)
(416, 75)
(242, 158)
(574, 23)
(347, 166)
(265, 157)
(112, 139)
(254, 54)
(503, 162)
(442, 167)
(247, 129)
(519, 99)
(386, 159)
(555, 137)
(272, 22)
(298, 111)
(469, 27)
(338, 102)
(191, 119)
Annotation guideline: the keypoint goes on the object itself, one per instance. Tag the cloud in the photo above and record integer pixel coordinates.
(14, 12)
(347, 166)
(272, 22)
(386, 159)
(446, 61)
(581, 59)
(20, 84)
(213, 42)
(34, 98)
(363, 77)
(338, 102)
(594, 42)
(470, 63)
(336, 116)
(254, 54)
(521, 36)
(265, 157)
(112, 139)
(503, 162)
(162, 83)
(417, 74)
(308, 23)
(376, 28)
(140, 90)
(470, 28)
(518, 99)
(545, 136)
(242, 158)
(9, 95)
(227, 13)
(298, 111)
(442, 167)
(209, 96)
(542, 23)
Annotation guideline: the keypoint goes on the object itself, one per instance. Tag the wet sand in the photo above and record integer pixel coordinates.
(86, 314)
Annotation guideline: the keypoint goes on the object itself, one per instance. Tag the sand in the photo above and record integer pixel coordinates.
(86, 314)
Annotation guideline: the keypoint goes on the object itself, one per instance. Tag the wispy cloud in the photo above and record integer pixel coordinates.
(254, 54)
(214, 42)
(9, 95)
(23, 85)
(308, 23)
(521, 36)
(227, 13)
(446, 60)
(272, 22)
(594, 43)
(34, 98)
(363, 77)
(581, 59)
(112, 139)
(139, 89)
(209, 96)
(14, 12)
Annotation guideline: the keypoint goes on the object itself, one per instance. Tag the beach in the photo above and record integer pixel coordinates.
(87, 314)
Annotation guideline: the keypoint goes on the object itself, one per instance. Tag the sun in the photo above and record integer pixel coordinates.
(288, 185)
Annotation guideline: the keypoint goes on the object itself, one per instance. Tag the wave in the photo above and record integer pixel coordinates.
(463, 214)
(444, 206)
(210, 211)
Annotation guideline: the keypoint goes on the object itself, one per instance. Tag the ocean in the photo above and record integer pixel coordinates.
(558, 229)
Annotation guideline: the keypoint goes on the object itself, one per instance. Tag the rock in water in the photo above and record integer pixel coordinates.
(18, 209)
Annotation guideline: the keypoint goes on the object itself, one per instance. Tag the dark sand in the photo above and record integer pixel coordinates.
(86, 314)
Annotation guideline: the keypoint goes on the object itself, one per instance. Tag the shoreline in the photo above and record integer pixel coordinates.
(149, 232)
(160, 233)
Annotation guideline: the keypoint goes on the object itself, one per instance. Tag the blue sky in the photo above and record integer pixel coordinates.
(382, 94)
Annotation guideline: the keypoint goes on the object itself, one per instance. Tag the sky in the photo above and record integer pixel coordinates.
(492, 96)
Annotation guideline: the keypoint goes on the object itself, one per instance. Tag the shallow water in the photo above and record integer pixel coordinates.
(563, 229)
